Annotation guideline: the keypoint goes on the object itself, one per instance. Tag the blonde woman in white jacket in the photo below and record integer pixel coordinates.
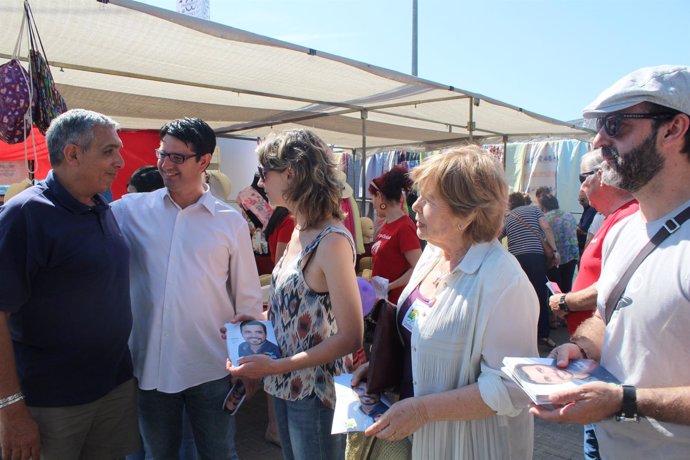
(473, 306)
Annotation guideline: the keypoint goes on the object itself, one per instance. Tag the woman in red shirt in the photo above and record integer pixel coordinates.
(396, 249)
(278, 232)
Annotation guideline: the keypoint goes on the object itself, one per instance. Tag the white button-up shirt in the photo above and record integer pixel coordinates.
(191, 271)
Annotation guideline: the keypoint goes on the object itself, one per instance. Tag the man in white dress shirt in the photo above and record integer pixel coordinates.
(192, 269)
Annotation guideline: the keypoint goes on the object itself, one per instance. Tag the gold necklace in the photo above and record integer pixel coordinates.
(439, 276)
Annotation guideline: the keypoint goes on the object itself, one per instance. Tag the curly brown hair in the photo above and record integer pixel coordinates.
(314, 193)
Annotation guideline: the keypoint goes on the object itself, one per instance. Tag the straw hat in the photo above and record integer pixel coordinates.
(344, 186)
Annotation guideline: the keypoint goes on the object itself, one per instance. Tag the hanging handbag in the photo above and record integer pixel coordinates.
(49, 103)
(549, 252)
(16, 97)
(387, 349)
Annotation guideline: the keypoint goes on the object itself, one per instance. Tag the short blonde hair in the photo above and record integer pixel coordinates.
(471, 181)
(314, 193)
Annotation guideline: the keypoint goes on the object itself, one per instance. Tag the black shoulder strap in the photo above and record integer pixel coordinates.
(669, 227)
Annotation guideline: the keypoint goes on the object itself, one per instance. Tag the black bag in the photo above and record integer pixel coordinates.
(387, 349)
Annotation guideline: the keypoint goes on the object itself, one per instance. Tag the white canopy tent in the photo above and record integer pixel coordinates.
(143, 66)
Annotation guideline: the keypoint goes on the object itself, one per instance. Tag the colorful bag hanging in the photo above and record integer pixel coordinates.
(49, 102)
(15, 102)
(16, 97)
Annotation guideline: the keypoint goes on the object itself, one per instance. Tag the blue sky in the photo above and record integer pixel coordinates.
(549, 56)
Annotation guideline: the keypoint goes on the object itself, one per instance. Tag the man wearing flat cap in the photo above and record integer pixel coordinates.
(640, 329)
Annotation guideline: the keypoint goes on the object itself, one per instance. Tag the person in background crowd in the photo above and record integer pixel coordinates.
(594, 228)
(578, 304)
(468, 305)
(218, 184)
(542, 192)
(525, 226)
(278, 232)
(145, 179)
(314, 305)
(564, 226)
(588, 213)
(396, 249)
(66, 386)
(641, 336)
(191, 264)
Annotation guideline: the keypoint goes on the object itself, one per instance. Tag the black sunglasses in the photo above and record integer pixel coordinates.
(612, 123)
(176, 158)
(583, 177)
(263, 170)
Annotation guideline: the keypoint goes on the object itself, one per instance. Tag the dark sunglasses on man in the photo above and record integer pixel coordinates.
(583, 176)
(612, 123)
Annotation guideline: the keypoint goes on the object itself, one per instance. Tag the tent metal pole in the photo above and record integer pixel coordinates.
(470, 124)
(414, 37)
(364, 116)
(505, 151)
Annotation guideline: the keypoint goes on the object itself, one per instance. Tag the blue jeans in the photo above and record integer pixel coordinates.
(305, 430)
(160, 421)
(187, 449)
(591, 446)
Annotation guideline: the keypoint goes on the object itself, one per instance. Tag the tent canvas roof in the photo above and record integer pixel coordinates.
(143, 66)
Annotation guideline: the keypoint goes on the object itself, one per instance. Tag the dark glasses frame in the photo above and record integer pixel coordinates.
(612, 123)
(176, 158)
(262, 172)
(583, 176)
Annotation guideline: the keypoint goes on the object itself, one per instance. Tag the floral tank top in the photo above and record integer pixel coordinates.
(302, 319)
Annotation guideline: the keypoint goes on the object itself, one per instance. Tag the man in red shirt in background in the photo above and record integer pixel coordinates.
(615, 204)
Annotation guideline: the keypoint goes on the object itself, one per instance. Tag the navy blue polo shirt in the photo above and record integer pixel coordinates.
(64, 276)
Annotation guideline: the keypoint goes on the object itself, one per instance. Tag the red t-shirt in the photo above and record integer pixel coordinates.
(590, 263)
(388, 251)
(281, 234)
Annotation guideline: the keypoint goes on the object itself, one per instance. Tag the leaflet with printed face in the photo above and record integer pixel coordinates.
(540, 377)
(251, 337)
(355, 409)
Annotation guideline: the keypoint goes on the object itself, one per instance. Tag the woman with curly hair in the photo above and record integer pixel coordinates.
(314, 304)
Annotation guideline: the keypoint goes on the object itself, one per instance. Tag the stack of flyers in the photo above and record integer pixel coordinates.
(540, 377)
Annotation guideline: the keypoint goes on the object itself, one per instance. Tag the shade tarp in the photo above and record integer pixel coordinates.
(144, 65)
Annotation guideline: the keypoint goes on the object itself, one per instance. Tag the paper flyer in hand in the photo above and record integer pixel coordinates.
(252, 337)
(540, 377)
(355, 410)
(553, 287)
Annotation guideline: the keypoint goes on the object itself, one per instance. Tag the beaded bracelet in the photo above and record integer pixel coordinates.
(8, 401)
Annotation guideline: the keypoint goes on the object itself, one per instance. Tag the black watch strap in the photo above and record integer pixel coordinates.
(562, 304)
(628, 411)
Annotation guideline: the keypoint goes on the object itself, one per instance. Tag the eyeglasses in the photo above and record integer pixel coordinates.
(612, 123)
(583, 177)
(263, 171)
(176, 158)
